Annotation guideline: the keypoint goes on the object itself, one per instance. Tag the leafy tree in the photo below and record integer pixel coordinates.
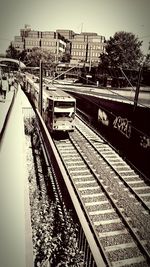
(146, 70)
(33, 58)
(147, 61)
(23, 55)
(122, 50)
(12, 52)
(66, 57)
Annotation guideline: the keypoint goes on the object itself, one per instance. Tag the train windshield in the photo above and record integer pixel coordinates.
(62, 115)
(64, 104)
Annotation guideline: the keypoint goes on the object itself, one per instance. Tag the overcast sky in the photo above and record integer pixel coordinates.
(104, 17)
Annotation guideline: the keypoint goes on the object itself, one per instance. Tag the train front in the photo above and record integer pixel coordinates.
(61, 114)
(64, 115)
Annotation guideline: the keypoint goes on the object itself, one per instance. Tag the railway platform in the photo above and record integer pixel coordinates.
(15, 224)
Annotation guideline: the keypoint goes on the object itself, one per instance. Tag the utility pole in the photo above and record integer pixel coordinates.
(137, 88)
(40, 89)
(90, 60)
(57, 47)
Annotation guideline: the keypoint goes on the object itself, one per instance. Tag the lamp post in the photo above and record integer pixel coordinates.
(90, 61)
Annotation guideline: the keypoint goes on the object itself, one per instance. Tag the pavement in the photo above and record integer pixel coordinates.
(15, 223)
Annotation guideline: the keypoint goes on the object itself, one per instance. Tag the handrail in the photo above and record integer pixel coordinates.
(7, 117)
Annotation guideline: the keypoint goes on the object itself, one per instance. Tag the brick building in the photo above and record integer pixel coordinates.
(84, 47)
(87, 47)
(50, 40)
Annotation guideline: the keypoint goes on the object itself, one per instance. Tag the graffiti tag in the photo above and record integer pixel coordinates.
(145, 141)
(123, 125)
(102, 116)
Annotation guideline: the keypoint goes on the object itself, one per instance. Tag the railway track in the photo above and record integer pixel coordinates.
(126, 174)
(116, 200)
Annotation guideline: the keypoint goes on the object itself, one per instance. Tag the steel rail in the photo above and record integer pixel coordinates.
(81, 202)
(121, 178)
(131, 230)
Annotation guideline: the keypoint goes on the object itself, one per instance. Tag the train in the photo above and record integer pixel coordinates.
(59, 107)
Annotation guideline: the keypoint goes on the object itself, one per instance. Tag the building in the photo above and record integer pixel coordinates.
(48, 40)
(85, 47)
(68, 34)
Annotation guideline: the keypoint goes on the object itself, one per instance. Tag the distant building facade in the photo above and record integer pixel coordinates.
(87, 47)
(84, 47)
(50, 40)
(68, 34)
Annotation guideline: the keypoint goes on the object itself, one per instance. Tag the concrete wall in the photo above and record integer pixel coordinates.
(127, 131)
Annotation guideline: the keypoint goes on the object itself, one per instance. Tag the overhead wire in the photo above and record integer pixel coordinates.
(115, 93)
(114, 116)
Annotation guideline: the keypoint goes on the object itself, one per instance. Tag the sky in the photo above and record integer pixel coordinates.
(105, 17)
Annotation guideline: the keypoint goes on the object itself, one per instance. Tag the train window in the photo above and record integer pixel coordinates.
(60, 114)
(64, 104)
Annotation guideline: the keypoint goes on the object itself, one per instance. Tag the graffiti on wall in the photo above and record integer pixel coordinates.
(102, 116)
(123, 125)
(145, 141)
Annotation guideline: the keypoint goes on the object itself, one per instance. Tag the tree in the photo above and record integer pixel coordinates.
(23, 55)
(122, 50)
(12, 52)
(146, 70)
(33, 58)
(66, 57)
(147, 62)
